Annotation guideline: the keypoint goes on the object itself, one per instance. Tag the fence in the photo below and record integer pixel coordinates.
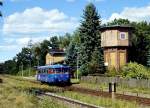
(138, 83)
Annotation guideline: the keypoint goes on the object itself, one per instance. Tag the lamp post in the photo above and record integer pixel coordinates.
(77, 62)
(77, 67)
(22, 69)
(30, 54)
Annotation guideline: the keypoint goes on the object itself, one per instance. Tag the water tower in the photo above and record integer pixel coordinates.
(115, 41)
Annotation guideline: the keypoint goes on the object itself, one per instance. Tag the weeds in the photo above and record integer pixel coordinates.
(14, 94)
(100, 101)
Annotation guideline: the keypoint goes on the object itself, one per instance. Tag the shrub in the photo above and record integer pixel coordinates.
(135, 70)
(85, 69)
(78, 72)
(111, 72)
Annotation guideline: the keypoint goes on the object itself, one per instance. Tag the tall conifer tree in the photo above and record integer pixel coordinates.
(89, 35)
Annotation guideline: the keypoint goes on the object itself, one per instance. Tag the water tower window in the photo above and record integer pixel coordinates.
(122, 35)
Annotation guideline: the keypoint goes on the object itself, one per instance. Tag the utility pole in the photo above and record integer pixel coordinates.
(77, 66)
(22, 69)
(77, 63)
(30, 54)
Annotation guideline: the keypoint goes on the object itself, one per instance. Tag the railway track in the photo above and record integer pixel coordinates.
(73, 103)
(139, 100)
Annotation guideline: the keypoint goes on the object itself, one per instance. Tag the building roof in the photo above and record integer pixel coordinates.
(115, 27)
(56, 51)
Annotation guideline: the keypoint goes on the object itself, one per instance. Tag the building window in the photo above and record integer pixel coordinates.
(122, 36)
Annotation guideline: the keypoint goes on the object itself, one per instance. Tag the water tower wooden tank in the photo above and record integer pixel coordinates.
(115, 41)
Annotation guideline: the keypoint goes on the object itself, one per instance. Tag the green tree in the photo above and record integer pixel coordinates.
(71, 56)
(97, 62)
(89, 35)
(24, 58)
(44, 47)
(54, 42)
(37, 52)
(72, 51)
(119, 22)
(65, 41)
(140, 42)
(1, 68)
(9, 67)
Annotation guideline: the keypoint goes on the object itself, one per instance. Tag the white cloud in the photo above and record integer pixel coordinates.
(133, 14)
(37, 20)
(22, 41)
(8, 47)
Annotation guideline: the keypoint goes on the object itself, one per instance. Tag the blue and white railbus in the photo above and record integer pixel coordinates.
(54, 74)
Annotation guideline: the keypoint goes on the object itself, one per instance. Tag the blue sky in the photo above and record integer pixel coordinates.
(39, 19)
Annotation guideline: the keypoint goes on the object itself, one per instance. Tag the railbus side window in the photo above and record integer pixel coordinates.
(46, 70)
(55, 71)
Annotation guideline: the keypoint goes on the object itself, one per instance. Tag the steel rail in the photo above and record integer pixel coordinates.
(68, 100)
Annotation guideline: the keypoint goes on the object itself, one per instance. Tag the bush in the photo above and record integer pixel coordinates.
(112, 72)
(85, 69)
(78, 72)
(135, 70)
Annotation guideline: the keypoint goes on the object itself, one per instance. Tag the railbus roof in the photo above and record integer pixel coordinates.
(56, 66)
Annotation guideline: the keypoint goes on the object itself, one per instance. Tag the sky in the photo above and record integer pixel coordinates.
(40, 19)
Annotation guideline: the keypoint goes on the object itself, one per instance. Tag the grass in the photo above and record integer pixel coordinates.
(91, 86)
(120, 88)
(100, 101)
(14, 94)
(75, 81)
(27, 85)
